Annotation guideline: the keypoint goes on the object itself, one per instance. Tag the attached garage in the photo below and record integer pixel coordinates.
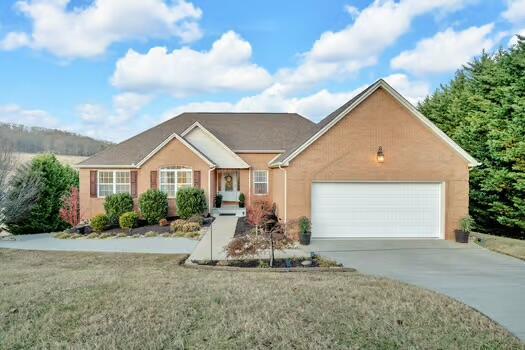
(377, 210)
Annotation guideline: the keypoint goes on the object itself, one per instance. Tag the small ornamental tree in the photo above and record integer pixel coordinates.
(252, 245)
(70, 211)
(257, 214)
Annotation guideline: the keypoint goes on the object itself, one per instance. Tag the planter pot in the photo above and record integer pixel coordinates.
(304, 238)
(461, 236)
(241, 204)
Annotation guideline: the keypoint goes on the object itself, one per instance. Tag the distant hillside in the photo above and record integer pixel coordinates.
(37, 140)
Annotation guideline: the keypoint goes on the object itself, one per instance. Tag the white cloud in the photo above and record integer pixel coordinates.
(337, 55)
(446, 51)
(352, 10)
(414, 91)
(125, 107)
(314, 106)
(515, 12)
(14, 40)
(116, 122)
(89, 31)
(15, 114)
(225, 67)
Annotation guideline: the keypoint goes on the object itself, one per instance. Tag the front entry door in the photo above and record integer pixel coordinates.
(229, 186)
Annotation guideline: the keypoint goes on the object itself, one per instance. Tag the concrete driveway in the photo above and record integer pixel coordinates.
(489, 282)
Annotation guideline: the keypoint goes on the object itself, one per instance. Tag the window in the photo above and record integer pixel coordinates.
(171, 179)
(111, 182)
(260, 181)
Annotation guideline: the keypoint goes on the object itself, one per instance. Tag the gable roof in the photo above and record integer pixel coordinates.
(328, 122)
(254, 132)
(184, 142)
(286, 133)
(232, 159)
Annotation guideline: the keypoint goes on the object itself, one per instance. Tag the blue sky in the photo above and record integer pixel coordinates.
(112, 68)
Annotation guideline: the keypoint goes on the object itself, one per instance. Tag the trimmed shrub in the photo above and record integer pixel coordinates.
(117, 204)
(99, 222)
(190, 201)
(163, 222)
(218, 200)
(191, 227)
(242, 200)
(196, 218)
(153, 206)
(128, 220)
(178, 225)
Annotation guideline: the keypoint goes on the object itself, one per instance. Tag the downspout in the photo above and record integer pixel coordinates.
(250, 186)
(285, 193)
(209, 189)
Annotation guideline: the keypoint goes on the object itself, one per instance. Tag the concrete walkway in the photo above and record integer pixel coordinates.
(157, 245)
(489, 282)
(211, 246)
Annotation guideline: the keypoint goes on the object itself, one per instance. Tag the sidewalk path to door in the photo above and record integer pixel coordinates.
(211, 246)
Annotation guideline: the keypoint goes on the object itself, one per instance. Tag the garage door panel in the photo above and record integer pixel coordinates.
(376, 210)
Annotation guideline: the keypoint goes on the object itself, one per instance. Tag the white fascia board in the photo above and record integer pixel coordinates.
(210, 134)
(184, 142)
(381, 83)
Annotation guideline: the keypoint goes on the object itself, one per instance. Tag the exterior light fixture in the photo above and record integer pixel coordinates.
(380, 155)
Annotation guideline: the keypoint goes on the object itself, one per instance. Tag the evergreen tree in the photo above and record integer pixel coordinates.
(483, 110)
(55, 180)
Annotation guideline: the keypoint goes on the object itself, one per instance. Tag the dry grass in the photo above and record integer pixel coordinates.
(509, 246)
(132, 301)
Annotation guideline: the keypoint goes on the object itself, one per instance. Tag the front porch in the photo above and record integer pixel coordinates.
(230, 210)
(230, 183)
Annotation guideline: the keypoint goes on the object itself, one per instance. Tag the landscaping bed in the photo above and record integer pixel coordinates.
(142, 231)
(243, 227)
(138, 301)
(302, 262)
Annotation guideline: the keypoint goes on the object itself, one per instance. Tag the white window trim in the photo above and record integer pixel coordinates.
(175, 170)
(267, 182)
(114, 180)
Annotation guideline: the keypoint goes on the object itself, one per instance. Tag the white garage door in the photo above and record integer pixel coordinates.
(376, 210)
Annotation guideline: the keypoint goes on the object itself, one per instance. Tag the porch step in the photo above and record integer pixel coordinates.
(229, 210)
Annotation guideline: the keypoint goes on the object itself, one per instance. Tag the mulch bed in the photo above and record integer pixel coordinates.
(144, 228)
(316, 261)
(243, 227)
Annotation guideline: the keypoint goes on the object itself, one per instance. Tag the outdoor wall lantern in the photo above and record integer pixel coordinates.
(380, 155)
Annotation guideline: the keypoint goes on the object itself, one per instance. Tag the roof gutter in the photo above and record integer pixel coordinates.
(105, 166)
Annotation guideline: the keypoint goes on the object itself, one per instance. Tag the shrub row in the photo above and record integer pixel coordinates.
(191, 203)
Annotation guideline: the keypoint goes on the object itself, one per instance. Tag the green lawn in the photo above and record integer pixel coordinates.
(132, 301)
(509, 246)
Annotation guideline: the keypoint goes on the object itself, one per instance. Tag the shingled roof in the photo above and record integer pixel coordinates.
(239, 131)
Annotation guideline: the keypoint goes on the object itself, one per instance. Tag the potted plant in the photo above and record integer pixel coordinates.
(242, 200)
(465, 227)
(218, 200)
(305, 232)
